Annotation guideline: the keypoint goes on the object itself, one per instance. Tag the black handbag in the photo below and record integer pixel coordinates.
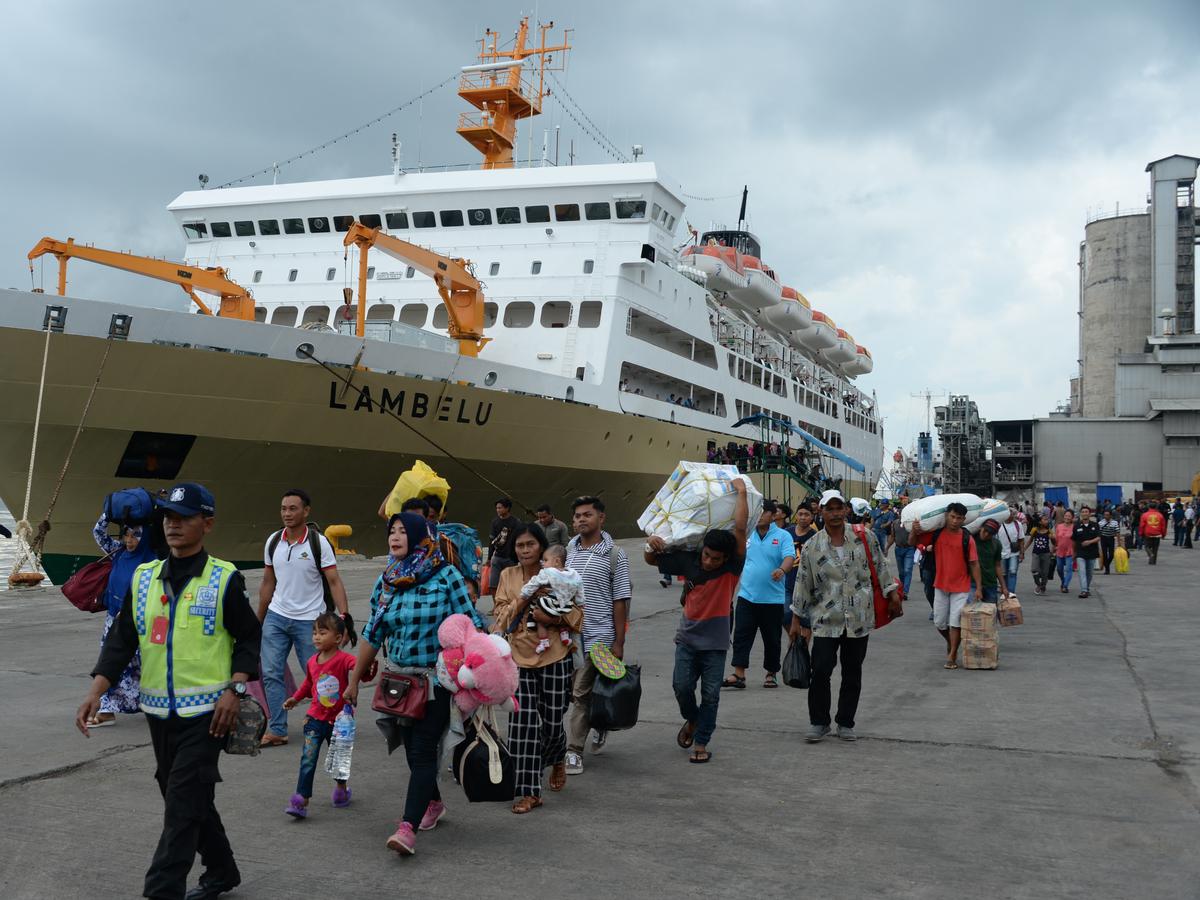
(615, 701)
(483, 764)
(797, 665)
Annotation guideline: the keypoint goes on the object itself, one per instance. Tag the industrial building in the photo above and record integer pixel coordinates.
(1133, 424)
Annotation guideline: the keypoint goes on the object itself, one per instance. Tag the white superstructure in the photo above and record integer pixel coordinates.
(582, 278)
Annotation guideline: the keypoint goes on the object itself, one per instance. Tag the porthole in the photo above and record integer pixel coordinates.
(489, 379)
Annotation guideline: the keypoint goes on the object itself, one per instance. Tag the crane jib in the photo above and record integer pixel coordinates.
(184, 273)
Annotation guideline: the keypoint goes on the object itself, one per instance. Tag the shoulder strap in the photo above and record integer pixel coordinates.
(612, 565)
(272, 543)
(967, 548)
(314, 545)
(862, 536)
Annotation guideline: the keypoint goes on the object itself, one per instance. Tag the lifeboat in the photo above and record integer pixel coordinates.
(793, 313)
(721, 265)
(843, 352)
(761, 291)
(862, 363)
(820, 335)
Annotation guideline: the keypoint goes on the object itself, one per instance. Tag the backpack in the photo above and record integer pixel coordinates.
(929, 559)
(466, 554)
(132, 506)
(314, 548)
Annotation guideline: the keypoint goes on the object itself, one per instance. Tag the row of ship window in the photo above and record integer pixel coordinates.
(535, 268)
(517, 314)
(447, 218)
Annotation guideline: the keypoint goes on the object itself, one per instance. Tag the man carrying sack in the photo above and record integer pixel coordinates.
(836, 593)
(190, 617)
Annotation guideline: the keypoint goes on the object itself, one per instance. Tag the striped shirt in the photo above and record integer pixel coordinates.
(1110, 528)
(603, 583)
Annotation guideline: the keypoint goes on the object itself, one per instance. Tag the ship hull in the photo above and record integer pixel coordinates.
(263, 425)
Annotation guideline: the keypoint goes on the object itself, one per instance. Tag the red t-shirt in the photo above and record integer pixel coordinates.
(953, 576)
(325, 682)
(1154, 524)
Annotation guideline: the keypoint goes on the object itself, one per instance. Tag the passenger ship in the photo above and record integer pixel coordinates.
(614, 352)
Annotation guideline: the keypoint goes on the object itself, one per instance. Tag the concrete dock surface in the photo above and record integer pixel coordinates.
(1071, 771)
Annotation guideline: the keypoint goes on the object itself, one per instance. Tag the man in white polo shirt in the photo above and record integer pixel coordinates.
(300, 564)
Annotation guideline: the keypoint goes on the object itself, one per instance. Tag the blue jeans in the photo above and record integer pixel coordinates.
(707, 667)
(1012, 566)
(1086, 568)
(904, 566)
(279, 635)
(991, 594)
(1065, 567)
(316, 733)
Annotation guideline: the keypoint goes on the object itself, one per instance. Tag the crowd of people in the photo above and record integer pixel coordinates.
(183, 644)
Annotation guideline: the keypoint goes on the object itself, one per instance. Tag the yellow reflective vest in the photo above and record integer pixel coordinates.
(187, 664)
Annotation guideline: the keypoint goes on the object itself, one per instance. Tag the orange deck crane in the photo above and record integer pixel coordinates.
(461, 291)
(236, 302)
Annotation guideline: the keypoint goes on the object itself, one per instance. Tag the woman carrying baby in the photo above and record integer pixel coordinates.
(535, 731)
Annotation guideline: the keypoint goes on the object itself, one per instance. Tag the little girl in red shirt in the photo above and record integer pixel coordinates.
(325, 680)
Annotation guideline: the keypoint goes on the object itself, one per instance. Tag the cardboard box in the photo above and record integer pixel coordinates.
(980, 653)
(979, 620)
(1010, 611)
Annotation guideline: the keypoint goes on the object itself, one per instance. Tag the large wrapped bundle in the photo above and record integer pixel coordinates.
(980, 636)
(419, 481)
(696, 498)
(992, 509)
(931, 511)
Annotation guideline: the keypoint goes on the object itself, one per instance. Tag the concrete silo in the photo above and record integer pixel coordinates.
(1115, 305)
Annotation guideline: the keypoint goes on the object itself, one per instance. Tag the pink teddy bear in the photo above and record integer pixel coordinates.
(477, 668)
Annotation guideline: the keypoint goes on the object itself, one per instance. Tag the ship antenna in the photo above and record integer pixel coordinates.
(395, 156)
(742, 212)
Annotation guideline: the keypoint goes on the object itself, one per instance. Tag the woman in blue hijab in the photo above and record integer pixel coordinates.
(128, 552)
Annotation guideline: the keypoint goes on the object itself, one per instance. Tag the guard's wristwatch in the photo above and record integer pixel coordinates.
(238, 687)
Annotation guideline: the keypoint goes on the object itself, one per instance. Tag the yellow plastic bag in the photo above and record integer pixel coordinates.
(419, 481)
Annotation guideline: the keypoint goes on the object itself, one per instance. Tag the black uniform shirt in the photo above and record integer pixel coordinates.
(239, 620)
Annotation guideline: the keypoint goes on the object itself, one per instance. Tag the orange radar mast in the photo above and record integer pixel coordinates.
(236, 302)
(461, 292)
(504, 93)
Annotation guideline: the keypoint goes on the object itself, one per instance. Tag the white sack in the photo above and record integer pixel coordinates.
(992, 509)
(931, 511)
(697, 498)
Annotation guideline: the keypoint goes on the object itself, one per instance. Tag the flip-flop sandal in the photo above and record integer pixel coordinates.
(734, 682)
(526, 804)
(950, 665)
(101, 723)
(697, 758)
(686, 738)
(770, 682)
(558, 777)
(273, 740)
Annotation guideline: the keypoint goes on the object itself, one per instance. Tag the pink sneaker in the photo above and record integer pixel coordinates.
(433, 814)
(404, 841)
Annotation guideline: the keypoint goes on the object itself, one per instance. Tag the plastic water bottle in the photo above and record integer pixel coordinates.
(341, 746)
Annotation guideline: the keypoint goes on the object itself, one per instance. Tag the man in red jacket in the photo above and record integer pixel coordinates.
(1153, 527)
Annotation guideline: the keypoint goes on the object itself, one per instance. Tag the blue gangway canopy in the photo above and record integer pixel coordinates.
(759, 418)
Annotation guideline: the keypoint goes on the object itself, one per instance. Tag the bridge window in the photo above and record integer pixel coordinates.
(595, 211)
(494, 269)
(566, 212)
(479, 216)
(293, 226)
(371, 220)
(588, 266)
(631, 209)
(318, 225)
(424, 219)
(451, 218)
(537, 214)
(518, 314)
(221, 229)
(195, 230)
(508, 215)
(589, 313)
(343, 223)
(267, 227)
(536, 267)
(397, 220)
(414, 314)
(556, 314)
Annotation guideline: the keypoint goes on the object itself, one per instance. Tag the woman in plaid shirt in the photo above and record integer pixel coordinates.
(416, 593)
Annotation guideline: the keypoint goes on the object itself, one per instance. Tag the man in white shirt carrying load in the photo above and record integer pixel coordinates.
(1012, 550)
(300, 582)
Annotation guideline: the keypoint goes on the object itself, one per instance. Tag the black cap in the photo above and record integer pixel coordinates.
(188, 499)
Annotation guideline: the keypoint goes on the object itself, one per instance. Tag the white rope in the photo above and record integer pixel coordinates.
(24, 533)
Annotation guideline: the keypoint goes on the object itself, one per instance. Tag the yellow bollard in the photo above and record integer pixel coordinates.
(334, 533)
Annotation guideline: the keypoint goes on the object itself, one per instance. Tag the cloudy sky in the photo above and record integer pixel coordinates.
(922, 171)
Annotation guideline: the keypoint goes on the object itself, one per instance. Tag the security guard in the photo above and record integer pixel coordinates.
(190, 617)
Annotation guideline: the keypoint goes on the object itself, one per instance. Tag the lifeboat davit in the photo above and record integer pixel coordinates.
(842, 352)
(792, 313)
(722, 266)
(820, 335)
(761, 291)
(862, 364)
